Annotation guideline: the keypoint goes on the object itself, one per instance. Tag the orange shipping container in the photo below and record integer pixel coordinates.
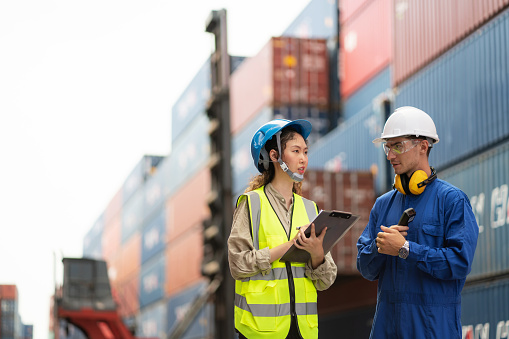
(344, 191)
(183, 261)
(366, 45)
(348, 8)
(130, 257)
(127, 293)
(111, 238)
(188, 206)
(8, 292)
(286, 72)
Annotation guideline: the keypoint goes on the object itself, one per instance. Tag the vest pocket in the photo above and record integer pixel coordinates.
(311, 295)
(261, 308)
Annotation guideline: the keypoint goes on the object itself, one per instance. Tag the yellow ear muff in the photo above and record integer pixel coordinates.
(415, 184)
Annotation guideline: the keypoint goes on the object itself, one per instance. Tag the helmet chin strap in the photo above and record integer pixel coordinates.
(294, 176)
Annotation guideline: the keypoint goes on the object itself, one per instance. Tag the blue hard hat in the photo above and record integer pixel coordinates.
(268, 130)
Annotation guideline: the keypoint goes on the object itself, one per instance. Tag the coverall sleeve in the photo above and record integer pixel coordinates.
(453, 260)
(369, 262)
(244, 260)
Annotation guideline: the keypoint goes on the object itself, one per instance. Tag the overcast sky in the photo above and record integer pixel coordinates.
(86, 89)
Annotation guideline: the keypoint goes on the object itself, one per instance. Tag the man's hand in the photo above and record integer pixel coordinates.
(391, 239)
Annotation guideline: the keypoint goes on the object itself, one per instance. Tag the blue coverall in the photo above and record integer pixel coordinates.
(420, 297)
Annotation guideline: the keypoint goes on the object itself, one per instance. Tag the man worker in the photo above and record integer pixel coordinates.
(421, 268)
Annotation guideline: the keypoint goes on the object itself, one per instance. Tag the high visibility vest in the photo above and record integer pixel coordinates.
(264, 304)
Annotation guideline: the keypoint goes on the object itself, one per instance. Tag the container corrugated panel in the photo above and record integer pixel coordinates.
(286, 71)
(188, 207)
(366, 45)
(345, 191)
(188, 246)
(243, 167)
(152, 277)
(132, 215)
(348, 8)
(425, 29)
(152, 321)
(349, 147)
(318, 20)
(465, 92)
(130, 257)
(485, 310)
(190, 153)
(485, 179)
(365, 95)
(191, 102)
(111, 239)
(203, 325)
(153, 192)
(153, 238)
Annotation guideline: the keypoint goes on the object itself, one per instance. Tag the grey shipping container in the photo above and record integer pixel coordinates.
(485, 179)
(466, 93)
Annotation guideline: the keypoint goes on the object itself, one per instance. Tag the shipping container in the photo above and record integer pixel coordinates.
(349, 147)
(189, 154)
(111, 239)
(366, 45)
(8, 292)
(203, 325)
(188, 207)
(129, 260)
(188, 249)
(152, 277)
(318, 20)
(114, 207)
(485, 180)
(92, 242)
(193, 101)
(366, 94)
(425, 29)
(153, 239)
(132, 216)
(465, 92)
(344, 191)
(485, 310)
(350, 8)
(144, 169)
(152, 321)
(153, 192)
(286, 71)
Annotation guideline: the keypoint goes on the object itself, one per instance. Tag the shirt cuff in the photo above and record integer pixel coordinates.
(263, 260)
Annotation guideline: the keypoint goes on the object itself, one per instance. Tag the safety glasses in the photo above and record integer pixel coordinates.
(400, 147)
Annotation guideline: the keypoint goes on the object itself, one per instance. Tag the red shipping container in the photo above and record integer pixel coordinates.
(425, 29)
(343, 191)
(287, 71)
(366, 45)
(347, 8)
(188, 206)
(183, 261)
(9, 292)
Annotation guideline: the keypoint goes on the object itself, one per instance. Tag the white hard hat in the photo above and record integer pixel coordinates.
(408, 120)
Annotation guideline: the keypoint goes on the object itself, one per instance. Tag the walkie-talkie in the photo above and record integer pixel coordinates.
(407, 216)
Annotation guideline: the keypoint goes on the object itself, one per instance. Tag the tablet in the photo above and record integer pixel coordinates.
(337, 223)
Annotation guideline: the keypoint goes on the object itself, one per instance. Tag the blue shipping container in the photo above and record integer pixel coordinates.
(152, 321)
(465, 91)
(485, 179)
(485, 310)
(92, 243)
(203, 324)
(189, 153)
(153, 236)
(152, 280)
(132, 215)
(357, 101)
(141, 172)
(154, 194)
(318, 20)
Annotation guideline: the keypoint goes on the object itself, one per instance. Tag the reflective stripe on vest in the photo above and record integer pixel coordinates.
(262, 302)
